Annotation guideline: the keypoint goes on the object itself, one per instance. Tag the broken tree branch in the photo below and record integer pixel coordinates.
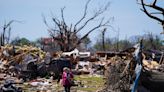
(97, 13)
(158, 10)
(84, 15)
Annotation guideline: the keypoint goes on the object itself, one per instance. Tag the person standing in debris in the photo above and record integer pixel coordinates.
(67, 78)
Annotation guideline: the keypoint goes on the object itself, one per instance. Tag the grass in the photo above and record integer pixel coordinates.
(86, 83)
(91, 83)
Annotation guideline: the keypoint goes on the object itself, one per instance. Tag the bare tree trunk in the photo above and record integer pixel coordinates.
(118, 34)
(67, 35)
(8, 37)
(4, 38)
(103, 39)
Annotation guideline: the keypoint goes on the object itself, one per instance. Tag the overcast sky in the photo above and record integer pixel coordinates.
(128, 18)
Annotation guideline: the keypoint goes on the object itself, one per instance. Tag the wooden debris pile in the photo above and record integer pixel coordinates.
(120, 72)
(116, 75)
(15, 59)
(28, 62)
(17, 53)
(150, 65)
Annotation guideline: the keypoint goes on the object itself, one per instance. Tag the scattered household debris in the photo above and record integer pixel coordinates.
(76, 53)
(9, 86)
(121, 71)
(26, 63)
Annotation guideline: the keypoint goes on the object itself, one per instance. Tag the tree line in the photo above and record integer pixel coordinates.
(150, 41)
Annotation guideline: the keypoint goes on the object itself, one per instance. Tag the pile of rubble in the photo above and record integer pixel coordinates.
(14, 58)
(17, 54)
(116, 75)
(9, 86)
(27, 62)
(121, 73)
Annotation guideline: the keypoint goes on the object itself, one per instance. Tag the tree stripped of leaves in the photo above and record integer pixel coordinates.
(4, 38)
(153, 10)
(6, 32)
(67, 35)
(103, 38)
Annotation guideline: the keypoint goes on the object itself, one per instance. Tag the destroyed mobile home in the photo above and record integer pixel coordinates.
(134, 67)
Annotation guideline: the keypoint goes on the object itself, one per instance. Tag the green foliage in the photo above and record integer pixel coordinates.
(150, 41)
(87, 40)
(20, 41)
(124, 44)
(92, 83)
(99, 46)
